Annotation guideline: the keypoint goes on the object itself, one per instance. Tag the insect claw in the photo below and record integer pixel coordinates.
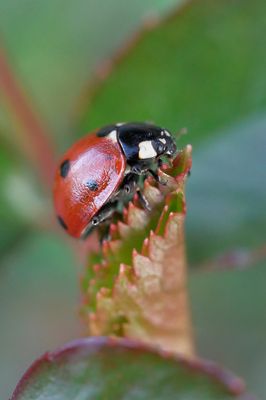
(143, 201)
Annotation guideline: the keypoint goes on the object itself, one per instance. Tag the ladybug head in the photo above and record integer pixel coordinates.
(164, 144)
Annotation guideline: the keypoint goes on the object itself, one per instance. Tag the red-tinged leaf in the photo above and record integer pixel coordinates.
(139, 289)
(104, 368)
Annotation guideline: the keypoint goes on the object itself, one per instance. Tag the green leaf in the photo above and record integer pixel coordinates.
(204, 69)
(55, 46)
(105, 368)
(210, 61)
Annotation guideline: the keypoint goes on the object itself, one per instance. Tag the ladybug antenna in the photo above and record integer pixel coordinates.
(181, 132)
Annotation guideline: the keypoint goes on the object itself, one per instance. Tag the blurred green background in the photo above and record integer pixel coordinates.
(200, 66)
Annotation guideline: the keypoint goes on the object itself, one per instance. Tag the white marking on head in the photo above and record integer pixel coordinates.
(113, 135)
(163, 141)
(167, 133)
(120, 124)
(146, 150)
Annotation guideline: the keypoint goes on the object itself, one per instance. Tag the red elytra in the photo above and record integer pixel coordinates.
(89, 173)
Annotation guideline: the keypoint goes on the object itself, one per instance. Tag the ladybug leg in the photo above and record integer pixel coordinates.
(104, 234)
(160, 162)
(154, 175)
(145, 169)
(143, 201)
(157, 177)
(105, 212)
(139, 169)
(129, 184)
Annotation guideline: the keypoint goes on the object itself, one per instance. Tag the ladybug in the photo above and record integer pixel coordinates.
(103, 168)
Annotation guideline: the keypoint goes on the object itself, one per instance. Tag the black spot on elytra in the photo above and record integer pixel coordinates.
(92, 185)
(64, 168)
(62, 222)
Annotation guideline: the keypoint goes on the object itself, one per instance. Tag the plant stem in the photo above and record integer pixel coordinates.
(34, 136)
